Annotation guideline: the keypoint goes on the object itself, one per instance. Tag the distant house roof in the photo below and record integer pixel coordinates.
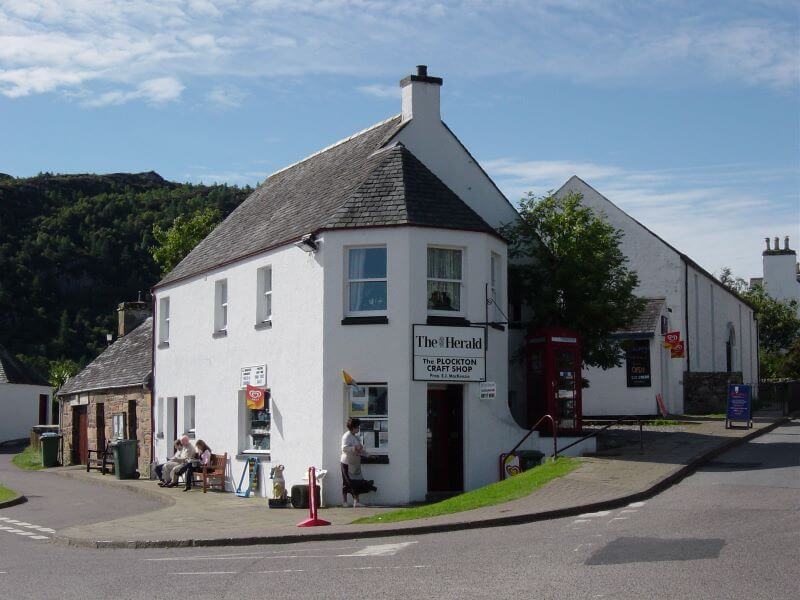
(354, 183)
(13, 371)
(647, 323)
(126, 362)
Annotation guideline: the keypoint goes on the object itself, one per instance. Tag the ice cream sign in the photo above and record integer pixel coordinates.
(443, 353)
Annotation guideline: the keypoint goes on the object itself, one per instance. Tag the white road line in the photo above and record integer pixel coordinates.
(244, 555)
(39, 537)
(619, 519)
(24, 533)
(628, 510)
(636, 504)
(341, 569)
(381, 549)
(16, 531)
(205, 573)
(580, 521)
(22, 523)
(600, 513)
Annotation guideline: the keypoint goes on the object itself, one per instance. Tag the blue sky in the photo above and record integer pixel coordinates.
(683, 113)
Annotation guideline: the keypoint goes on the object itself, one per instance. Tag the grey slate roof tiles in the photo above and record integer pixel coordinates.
(126, 362)
(355, 183)
(648, 320)
(14, 372)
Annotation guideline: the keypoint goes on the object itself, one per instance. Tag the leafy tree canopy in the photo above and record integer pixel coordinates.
(174, 243)
(568, 268)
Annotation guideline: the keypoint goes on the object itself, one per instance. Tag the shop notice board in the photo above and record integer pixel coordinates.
(740, 405)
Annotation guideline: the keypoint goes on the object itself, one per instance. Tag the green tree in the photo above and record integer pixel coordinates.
(60, 371)
(174, 243)
(569, 270)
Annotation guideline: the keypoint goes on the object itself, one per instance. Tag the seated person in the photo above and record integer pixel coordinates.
(184, 455)
(168, 466)
(203, 459)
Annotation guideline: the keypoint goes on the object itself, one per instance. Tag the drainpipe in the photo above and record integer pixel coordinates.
(153, 380)
(686, 315)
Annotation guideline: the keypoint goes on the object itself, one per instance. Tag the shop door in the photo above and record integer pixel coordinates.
(445, 439)
(43, 400)
(80, 435)
(101, 425)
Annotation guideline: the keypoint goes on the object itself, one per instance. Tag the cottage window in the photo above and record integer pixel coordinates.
(160, 418)
(366, 280)
(444, 279)
(188, 416)
(163, 321)
(370, 403)
(118, 426)
(221, 306)
(264, 300)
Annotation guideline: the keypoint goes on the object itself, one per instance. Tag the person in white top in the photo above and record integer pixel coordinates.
(184, 455)
(352, 451)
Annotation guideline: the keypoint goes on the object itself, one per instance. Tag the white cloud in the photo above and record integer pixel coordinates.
(227, 97)
(154, 91)
(380, 90)
(120, 44)
(717, 214)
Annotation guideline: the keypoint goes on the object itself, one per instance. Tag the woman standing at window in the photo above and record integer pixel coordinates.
(352, 451)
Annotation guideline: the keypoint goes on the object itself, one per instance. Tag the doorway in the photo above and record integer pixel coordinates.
(100, 425)
(80, 435)
(445, 439)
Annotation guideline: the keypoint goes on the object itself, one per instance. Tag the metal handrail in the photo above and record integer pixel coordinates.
(601, 430)
(531, 430)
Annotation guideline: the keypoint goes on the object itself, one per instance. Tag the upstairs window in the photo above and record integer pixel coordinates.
(264, 300)
(163, 321)
(444, 279)
(221, 306)
(366, 280)
(495, 285)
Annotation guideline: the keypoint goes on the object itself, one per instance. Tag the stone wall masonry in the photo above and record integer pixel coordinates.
(707, 392)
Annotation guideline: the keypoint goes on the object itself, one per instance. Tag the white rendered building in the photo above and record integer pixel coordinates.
(719, 327)
(375, 256)
(781, 272)
(24, 399)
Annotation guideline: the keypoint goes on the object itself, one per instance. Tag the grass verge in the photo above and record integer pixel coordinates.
(495, 493)
(29, 459)
(6, 494)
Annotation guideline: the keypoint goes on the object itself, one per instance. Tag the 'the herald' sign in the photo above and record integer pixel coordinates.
(448, 353)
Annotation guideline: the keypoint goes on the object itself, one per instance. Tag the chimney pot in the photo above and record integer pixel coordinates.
(130, 315)
(786, 243)
(777, 243)
(766, 239)
(422, 70)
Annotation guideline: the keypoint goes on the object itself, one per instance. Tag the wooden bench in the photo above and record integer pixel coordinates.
(213, 474)
(102, 461)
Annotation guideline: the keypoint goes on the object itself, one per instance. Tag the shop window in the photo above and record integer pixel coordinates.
(370, 403)
(366, 281)
(118, 429)
(221, 306)
(264, 300)
(188, 416)
(637, 363)
(255, 424)
(444, 280)
(163, 321)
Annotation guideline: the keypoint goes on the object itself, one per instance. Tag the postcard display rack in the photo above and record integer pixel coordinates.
(369, 403)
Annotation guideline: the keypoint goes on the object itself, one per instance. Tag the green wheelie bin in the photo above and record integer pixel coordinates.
(125, 459)
(49, 443)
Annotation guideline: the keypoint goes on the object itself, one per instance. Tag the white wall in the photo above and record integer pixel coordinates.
(19, 409)
(198, 364)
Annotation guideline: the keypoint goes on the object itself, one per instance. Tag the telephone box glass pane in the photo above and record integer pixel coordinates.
(566, 382)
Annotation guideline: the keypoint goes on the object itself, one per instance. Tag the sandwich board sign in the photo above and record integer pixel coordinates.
(739, 405)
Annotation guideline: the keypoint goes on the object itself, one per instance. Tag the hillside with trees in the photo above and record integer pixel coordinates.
(73, 246)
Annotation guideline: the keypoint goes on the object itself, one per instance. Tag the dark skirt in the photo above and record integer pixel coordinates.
(356, 487)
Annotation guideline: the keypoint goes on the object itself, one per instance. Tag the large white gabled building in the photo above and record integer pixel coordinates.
(718, 327)
(379, 256)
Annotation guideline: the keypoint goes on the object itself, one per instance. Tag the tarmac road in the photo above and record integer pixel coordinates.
(732, 530)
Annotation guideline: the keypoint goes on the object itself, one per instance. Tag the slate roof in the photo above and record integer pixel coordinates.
(648, 321)
(350, 184)
(126, 362)
(401, 190)
(14, 372)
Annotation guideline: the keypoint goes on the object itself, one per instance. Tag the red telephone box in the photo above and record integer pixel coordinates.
(553, 365)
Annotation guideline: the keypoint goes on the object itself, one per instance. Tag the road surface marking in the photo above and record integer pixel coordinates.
(619, 519)
(13, 526)
(24, 533)
(581, 521)
(636, 505)
(245, 555)
(599, 513)
(206, 573)
(381, 549)
(627, 510)
(39, 537)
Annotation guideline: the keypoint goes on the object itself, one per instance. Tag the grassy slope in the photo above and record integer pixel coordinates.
(28, 459)
(6, 494)
(495, 493)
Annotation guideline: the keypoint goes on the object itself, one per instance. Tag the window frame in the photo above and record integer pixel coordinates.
(347, 281)
(163, 321)
(264, 295)
(221, 306)
(115, 428)
(462, 286)
(496, 284)
(374, 450)
(245, 424)
(190, 408)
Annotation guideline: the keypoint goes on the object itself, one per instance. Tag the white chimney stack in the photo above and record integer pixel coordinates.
(421, 96)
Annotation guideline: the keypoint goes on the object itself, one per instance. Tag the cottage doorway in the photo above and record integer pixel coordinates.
(445, 439)
(100, 425)
(80, 434)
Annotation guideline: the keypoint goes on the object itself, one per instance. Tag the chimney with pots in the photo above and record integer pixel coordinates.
(421, 97)
(130, 315)
(780, 271)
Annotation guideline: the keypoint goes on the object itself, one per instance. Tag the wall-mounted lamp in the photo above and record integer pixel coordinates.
(307, 243)
(109, 338)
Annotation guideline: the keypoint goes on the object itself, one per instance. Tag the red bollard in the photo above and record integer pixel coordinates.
(312, 520)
